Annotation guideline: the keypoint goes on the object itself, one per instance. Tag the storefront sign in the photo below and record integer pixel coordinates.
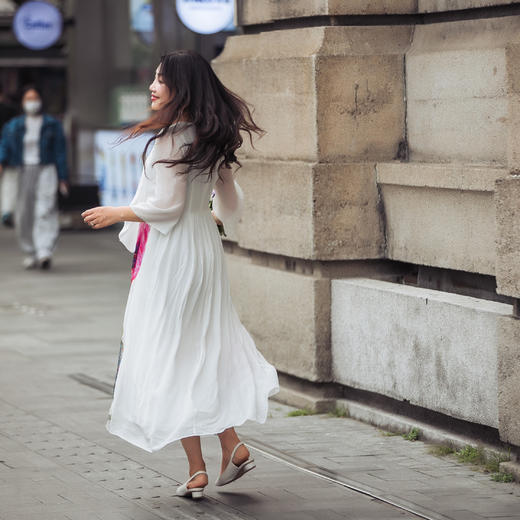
(37, 25)
(206, 16)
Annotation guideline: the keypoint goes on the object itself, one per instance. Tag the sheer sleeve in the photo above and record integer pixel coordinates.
(164, 205)
(229, 197)
(130, 230)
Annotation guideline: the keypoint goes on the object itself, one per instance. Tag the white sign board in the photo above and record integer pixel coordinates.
(133, 106)
(37, 25)
(118, 167)
(206, 16)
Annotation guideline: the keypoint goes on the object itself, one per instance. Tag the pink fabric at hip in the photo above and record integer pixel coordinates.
(140, 246)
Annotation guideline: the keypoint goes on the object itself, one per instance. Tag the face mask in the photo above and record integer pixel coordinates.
(32, 107)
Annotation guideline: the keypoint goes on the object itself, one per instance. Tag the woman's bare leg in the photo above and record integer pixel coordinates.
(193, 451)
(228, 440)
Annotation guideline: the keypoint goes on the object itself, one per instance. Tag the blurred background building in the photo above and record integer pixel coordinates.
(95, 79)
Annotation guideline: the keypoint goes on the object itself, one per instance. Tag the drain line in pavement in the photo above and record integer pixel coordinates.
(93, 382)
(325, 474)
(289, 460)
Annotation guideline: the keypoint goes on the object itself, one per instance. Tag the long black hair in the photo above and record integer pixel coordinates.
(197, 95)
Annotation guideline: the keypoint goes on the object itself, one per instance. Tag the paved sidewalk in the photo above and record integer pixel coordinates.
(59, 341)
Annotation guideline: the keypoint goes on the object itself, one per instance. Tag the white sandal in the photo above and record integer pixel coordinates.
(196, 492)
(232, 471)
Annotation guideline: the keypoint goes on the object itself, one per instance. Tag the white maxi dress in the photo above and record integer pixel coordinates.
(187, 365)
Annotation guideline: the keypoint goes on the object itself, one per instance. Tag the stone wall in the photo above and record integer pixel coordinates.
(389, 148)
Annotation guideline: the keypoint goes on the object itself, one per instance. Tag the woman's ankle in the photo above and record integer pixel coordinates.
(199, 467)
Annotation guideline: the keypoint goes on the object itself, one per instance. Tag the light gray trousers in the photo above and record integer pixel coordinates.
(36, 214)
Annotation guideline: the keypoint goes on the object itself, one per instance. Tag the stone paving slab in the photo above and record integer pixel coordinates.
(58, 461)
(402, 469)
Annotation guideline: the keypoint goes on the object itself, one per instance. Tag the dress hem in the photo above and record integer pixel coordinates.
(125, 434)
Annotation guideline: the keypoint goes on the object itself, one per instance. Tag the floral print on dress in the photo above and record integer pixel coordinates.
(142, 237)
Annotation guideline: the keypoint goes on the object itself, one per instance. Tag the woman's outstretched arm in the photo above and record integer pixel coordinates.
(103, 216)
(163, 208)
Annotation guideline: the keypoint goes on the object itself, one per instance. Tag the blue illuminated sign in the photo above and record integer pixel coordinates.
(37, 25)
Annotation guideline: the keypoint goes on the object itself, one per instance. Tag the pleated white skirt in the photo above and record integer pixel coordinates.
(188, 366)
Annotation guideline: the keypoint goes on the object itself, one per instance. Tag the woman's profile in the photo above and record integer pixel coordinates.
(187, 366)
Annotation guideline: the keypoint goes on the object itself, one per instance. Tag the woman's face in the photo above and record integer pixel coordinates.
(159, 92)
(31, 102)
(31, 95)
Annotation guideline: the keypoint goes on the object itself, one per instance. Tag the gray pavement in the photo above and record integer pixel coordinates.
(59, 341)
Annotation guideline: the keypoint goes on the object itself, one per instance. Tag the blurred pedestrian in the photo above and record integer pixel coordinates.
(35, 144)
(9, 178)
(187, 366)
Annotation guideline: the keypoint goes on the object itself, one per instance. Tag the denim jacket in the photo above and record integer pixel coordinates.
(52, 144)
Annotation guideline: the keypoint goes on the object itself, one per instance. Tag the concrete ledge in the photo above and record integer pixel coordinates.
(399, 424)
(318, 401)
(290, 396)
(436, 350)
(450, 176)
(441, 215)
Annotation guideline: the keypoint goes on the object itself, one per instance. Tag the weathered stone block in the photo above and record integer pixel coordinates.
(310, 210)
(457, 90)
(347, 221)
(254, 11)
(321, 93)
(277, 214)
(360, 106)
(507, 202)
(509, 380)
(288, 315)
(280, 89)
(441, 215)
(436, 350)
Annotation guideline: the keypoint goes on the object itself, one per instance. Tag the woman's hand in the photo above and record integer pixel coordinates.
(101, 216)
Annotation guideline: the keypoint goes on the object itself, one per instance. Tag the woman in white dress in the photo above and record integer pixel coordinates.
(187, 366)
